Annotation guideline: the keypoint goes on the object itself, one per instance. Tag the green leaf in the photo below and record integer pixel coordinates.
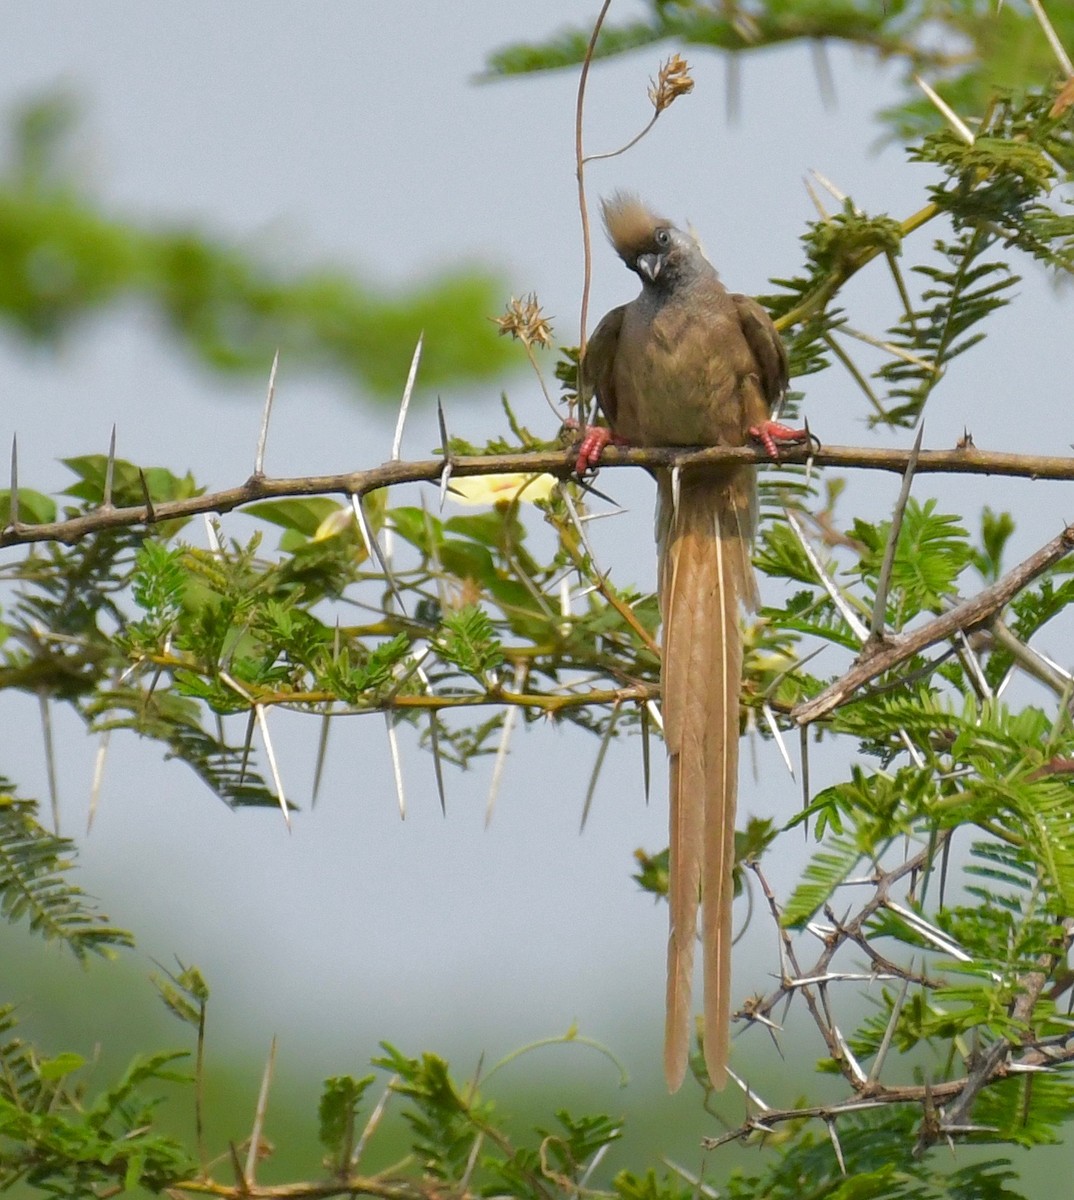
(34, 508)
(60, 1066)
(996, 530)
(142, 1069)
(300, 514)
(92, 472)
(826, 870)
(34, 868)
(64, 258)
(185, 995)
(468, 640)
(337, 1112)
(932, 553)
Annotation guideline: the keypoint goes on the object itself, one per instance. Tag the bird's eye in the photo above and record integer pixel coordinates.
(662, 237)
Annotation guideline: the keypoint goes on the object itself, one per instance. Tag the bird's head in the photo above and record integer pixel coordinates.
(649, 244)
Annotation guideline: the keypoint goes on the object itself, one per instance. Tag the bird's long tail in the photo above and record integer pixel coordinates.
(704, 574)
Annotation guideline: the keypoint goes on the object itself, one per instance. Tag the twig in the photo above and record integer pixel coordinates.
(510, 717)
(259, 1116)
(397, 762)
(579, 168)
(98, 777)
(600, 579)
(946, 111)
(257, 712)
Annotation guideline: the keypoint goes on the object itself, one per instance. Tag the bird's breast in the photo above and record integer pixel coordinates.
(685, 378)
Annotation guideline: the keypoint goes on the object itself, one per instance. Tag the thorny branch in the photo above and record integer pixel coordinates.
(560, 463)
(363, 1185)
(549, 703)
(882, 653)
(946, 1104)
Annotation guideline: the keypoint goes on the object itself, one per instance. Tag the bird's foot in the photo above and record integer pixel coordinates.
(591, 447)
(771, 434)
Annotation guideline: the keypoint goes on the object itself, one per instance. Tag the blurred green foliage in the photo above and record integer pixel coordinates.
(64, 257)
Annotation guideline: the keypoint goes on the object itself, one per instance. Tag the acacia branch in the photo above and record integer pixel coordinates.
(560, 463)
(883, 653)
(382, 1189)
(550, 703)
(952, 1090)
(954, 1098)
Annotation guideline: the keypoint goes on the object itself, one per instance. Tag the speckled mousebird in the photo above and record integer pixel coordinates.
(688, 363)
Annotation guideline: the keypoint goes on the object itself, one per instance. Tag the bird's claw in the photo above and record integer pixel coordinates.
(771, 434)
(591, 448)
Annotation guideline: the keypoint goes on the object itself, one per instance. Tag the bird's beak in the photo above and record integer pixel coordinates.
(649, 265)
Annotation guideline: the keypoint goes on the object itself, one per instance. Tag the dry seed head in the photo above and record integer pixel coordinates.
(672, 81)
(524, 321)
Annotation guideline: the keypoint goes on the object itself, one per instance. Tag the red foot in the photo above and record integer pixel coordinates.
(594, 439)
(770, 433)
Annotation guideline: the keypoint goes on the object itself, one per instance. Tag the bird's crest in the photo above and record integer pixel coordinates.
(629, 224)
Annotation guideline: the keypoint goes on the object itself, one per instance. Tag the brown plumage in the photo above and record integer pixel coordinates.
(688, 363)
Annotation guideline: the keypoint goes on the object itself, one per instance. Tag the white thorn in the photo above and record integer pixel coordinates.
(404, 405)
(953, 119)
(510, 717)
(262, 436)
(397, 764)
(98, 777)
(777, 734)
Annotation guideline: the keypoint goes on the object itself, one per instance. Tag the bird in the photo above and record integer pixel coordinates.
(689, 363)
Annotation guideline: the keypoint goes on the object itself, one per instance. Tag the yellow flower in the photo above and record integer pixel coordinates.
(481, 490)
(341, 520)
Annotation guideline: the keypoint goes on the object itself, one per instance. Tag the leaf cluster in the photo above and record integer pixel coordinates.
(35, 884)
(57, 1139)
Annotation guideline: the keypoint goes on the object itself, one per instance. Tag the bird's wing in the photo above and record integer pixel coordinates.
(599, 360)
(766, 345)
